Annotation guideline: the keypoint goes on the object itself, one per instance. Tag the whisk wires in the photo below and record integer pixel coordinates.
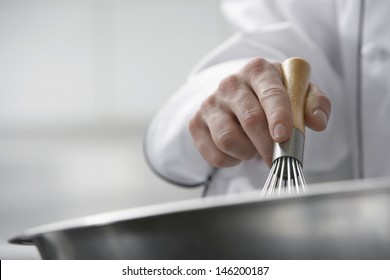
(285, 177)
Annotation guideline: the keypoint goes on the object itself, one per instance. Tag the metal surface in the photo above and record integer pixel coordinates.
(285, 178)
(348, 220)
(286, 175)
(293, 147)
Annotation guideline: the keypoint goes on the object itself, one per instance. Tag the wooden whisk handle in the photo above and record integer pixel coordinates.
(296, 74)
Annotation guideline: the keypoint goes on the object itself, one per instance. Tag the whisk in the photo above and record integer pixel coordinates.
(286, 175)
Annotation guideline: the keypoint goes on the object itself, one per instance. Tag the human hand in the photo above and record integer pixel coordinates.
(250, 111)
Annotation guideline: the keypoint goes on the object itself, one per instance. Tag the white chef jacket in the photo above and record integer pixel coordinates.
(347, 43)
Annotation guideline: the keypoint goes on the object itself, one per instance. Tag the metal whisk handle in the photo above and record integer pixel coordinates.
(293, 147)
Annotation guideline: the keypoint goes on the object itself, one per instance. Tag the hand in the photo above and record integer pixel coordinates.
(248, 112)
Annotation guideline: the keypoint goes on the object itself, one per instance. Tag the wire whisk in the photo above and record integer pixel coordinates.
(286, 174)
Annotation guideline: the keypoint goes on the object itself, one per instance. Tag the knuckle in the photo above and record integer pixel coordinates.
(269, 93)
(253, 118)
(229, 84)
(226, 140)
(208, 103)
(256, 65)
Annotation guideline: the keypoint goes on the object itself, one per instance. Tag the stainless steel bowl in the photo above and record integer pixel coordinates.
(349, 220)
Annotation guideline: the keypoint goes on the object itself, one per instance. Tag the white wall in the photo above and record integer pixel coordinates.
(84, 62)
(79, 81)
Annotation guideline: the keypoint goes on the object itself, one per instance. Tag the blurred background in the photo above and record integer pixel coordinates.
(79, 82)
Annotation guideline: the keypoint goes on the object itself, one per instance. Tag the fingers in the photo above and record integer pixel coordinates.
(317, 108)
(252, 118)
(218, 136)
(250, 111)
(229, 137)
(206, 146)
(244, 116)
(240, 102)
(266, 80)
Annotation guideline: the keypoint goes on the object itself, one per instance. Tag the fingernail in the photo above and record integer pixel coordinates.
(280, 130)
(321, 117)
